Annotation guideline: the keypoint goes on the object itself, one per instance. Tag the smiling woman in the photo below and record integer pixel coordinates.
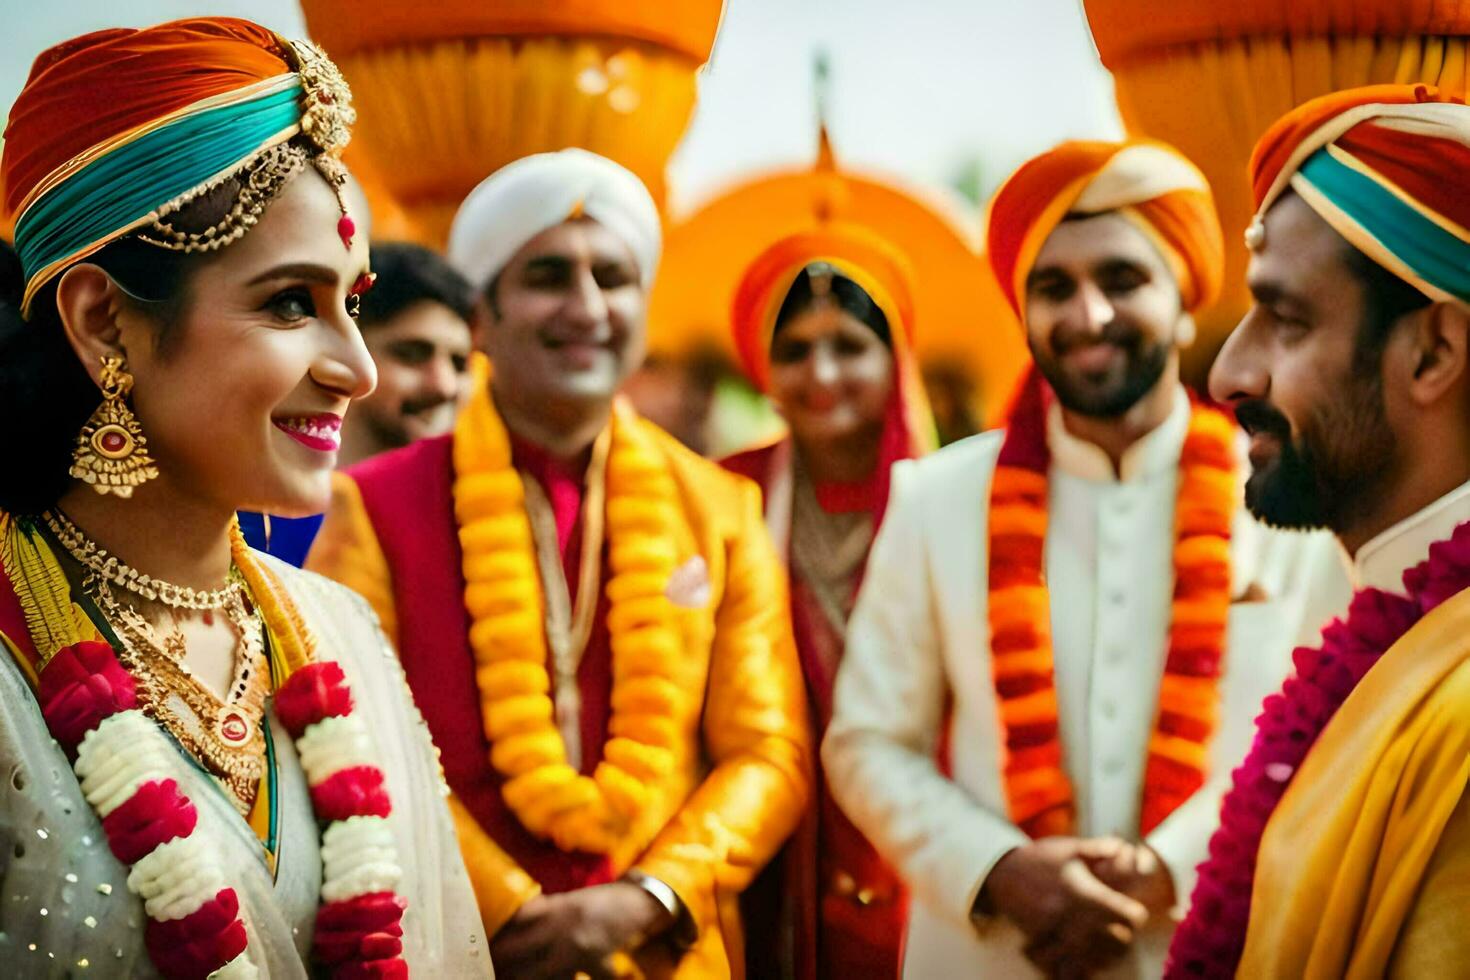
(250, 773)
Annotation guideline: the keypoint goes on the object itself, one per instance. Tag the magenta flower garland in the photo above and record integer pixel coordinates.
(1211, 939)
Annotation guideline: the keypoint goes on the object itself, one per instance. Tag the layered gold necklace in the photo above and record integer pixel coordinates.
(225, 735)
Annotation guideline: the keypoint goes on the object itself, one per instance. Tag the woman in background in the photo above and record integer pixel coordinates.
(823, 324)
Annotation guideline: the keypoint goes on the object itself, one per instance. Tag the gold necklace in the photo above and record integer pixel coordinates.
(87, 553)
(226, 736)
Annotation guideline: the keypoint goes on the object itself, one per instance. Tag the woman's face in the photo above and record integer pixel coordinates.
(831, 376)
(243, 403)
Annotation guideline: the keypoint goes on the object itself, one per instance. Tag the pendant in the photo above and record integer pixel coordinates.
(234, 728)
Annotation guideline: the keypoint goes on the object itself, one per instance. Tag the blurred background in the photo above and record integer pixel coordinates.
(751, 119)
(948, 94)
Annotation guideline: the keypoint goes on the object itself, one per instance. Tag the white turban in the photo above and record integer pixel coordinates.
(524, 198)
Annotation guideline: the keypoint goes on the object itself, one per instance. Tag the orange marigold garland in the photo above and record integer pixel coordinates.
(1038, 792)
(549, 797)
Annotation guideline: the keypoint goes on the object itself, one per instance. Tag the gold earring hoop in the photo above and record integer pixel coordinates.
(111, 455)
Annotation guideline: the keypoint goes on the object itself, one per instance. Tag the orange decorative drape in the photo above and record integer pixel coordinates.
(448, 93)
(1210, 77)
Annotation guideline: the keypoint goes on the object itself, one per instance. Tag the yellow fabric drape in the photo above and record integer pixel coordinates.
(1209, 78)
(1365, 865)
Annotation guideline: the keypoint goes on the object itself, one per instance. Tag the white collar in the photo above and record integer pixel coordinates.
(1381, 563)
(1156, 452)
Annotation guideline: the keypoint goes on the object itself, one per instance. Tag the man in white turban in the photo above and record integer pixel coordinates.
(591, 617)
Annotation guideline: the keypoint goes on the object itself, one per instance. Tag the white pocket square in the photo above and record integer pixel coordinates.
(689, 584)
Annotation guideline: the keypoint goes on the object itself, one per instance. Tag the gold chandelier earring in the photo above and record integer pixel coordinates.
(112, 453)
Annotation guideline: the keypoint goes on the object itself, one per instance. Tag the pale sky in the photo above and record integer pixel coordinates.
(918, 88)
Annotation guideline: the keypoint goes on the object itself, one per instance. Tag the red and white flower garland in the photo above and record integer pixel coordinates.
(123, 763)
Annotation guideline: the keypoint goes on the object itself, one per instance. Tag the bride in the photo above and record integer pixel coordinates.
(209, 762)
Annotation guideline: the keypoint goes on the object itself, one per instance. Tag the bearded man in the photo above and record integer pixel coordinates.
(1075, 613)
(1344, 844)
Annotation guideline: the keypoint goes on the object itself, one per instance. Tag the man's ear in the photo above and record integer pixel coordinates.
(482, 321)
(1439, 351)
(87, 302)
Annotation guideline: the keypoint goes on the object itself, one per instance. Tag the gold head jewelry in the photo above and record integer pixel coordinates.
(260, 179)
(111, 455)
(820, 275)
(326, 121)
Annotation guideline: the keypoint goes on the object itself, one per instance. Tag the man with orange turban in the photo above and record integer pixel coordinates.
(591, 617)
(1344, 844)
(1088, 733)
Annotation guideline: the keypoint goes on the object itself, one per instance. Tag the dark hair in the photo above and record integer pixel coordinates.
(1386, 298)
(11, 277)
(46, 394)
(849, 297)
(410, 274)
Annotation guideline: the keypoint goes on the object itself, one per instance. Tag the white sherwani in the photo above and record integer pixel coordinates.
(920, 632)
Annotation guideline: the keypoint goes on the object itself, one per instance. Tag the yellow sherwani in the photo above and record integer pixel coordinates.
(1364, 868)
(739, 789)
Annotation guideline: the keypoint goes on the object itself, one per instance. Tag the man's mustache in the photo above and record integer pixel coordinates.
(418, 406)
(1118, 333)
(1259, 415)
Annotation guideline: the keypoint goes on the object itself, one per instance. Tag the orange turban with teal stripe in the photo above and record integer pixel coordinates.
(1150, 184)
(1388, 167)
(113, 126)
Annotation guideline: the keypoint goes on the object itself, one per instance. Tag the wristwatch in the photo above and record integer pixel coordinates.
(685, 931)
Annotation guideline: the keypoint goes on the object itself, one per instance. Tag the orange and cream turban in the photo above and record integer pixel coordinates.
(115, 129)
(1388, 167)
(522, 199)
(1150, 184)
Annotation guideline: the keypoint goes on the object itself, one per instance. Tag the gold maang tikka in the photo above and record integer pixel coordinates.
(326, 122)
(111, 455)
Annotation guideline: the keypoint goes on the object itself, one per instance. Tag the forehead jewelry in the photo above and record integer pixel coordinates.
(820, 274)
(326, 120)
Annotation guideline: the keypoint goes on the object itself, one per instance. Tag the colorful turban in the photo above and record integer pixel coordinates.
(522, 199)
(885, 275)
(1388, 167)
(1150, 184)
(114, 126)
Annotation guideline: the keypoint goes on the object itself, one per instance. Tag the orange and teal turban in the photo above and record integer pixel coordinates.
(1386, 166)
(115, 127)
(1148, 183)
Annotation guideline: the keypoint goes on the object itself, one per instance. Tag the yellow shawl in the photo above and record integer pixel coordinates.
(1364, 868)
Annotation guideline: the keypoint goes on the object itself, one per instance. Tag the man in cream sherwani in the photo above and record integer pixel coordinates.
(1066, 628)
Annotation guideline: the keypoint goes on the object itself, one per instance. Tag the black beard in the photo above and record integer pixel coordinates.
(1143, 366)
(1329, 475)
